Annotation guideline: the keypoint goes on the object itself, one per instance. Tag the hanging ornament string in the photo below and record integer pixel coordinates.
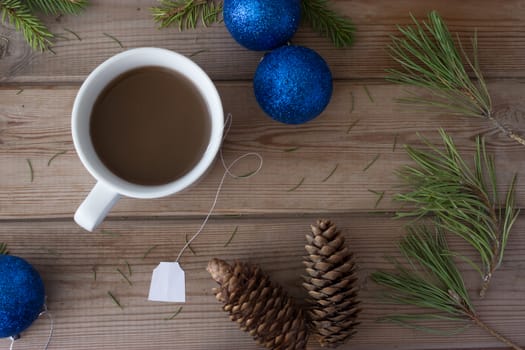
(51, 329)
(227, 172)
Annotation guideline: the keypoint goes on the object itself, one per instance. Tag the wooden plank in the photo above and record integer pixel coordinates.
(86, 318)
(35, 126)
(500, 31)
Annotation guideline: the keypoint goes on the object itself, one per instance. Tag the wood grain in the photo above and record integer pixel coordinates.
(86, 317)
(35, 125)
(499, 25)
(36, 96)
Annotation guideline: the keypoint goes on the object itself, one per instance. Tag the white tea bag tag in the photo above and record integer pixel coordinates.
(168, 283)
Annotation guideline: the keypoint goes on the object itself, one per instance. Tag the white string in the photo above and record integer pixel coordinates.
(52, 328)
(228, 123)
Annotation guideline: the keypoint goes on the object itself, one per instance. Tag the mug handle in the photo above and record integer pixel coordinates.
(96, 206)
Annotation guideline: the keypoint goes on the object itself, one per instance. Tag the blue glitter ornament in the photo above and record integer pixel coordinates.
(262, 24)
(293, 84)
(22, 295)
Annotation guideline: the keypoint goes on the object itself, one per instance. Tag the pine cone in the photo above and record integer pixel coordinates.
(331, 283)
(259, 306)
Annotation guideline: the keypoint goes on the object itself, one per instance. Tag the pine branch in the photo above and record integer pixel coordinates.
(18, 14)
(328, 22)
(430, 279)
(463, 200)
(186, 13)
(430, 59)
(56, 7)
(3, 249)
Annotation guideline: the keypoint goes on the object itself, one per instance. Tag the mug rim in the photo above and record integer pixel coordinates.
(178, 63)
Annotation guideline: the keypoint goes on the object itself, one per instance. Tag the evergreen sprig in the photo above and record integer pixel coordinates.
(327, 22)
(186, 13)
(56, 7)
(20, 14)
(431, 59)
(3, 249)
(464, 200)
(431, 280)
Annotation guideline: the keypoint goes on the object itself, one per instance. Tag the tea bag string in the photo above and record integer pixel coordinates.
(227, 172)
(51, 329)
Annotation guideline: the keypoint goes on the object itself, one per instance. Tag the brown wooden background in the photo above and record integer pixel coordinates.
(36, 96)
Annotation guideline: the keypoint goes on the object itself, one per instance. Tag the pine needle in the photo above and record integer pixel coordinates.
(124, 276)
(368, 93)
(189, 245)
(394, 145)
(379, 195)
(231, 236)
(372, 162)
(110, 233)
(328, 22)
(463, 198)
(175, 314)
(129, 268)
(186, 13)
(31, 171)
(54, 156)
(331, 173)
(114, 39)
(196, 53)
(149, 251)
(115, 300)
(19, 91)
(74, 34)
(3, 249)
(94, 270)
(354, 123)
(296, 186)
(292, 149)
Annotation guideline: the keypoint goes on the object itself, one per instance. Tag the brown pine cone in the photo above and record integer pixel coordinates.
(331, 283)
(259, 306)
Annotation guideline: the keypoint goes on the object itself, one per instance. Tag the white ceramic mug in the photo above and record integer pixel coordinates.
(110, 187)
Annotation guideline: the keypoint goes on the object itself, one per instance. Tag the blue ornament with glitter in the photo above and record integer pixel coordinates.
(22, 295)
(262, 24)
(293, 84)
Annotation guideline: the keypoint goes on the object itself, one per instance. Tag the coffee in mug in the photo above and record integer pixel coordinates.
(150, 126)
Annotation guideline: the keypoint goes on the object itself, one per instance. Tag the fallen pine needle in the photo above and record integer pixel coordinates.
(129, 268)
(395, 143)
(296, 186)
(174, 315)
(149, 251)
(115, 300)
(379, 195)
(114, 39)
(352, 126)
(368, 94)
(31, 172)
(292, 149)
(372, 162)
(189, 245)
(54, 156)
(72, 32)
(231, 236)
(331, 173)
(125, 277)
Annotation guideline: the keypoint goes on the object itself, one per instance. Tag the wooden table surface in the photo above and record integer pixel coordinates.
(36, 96)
